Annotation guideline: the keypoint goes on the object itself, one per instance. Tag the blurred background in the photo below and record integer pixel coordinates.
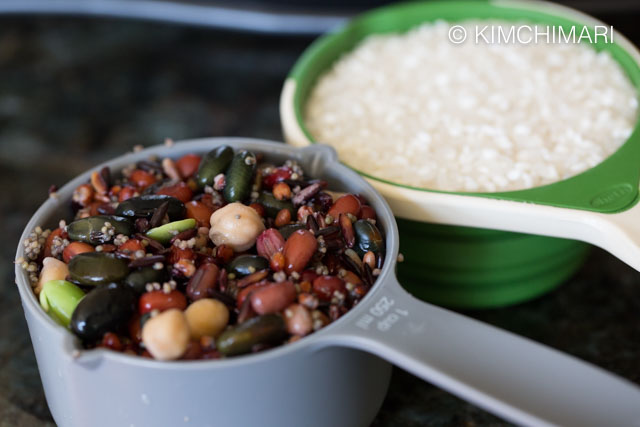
(80, 83)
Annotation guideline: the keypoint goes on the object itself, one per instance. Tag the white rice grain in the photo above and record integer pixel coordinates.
(419, 110)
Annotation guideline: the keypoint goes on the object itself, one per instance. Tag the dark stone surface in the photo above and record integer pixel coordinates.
(76, 92)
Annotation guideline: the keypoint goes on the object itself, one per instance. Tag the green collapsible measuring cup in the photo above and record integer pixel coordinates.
(454, 254)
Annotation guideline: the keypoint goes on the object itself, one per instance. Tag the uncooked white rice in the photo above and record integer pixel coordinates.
(419, 110)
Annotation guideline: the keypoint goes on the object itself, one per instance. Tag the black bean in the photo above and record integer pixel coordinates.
(107, 308)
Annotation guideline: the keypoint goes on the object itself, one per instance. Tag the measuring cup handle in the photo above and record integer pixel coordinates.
(513, 377)
(618, 233)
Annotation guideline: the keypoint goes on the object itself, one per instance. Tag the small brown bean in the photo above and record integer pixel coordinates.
(75, 248)
(188, 164)
(244, 293)
(283, 218)
(282, 191)
(298, 320)
(345, 204)
(351, 277)
(158, 300)
(325, 286)
(273, 297)
(367, 212)
(298, 250)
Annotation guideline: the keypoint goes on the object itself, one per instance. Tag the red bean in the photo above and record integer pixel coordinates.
(180, 191)
(200, 212)
(283, 218)
(131, 246)
(176, 254)
(345, 204)
(309, 276)
(278, 175)
(158, 300)
(75, 248)
(325, 286)
(188, 164)
(126, 193)
(367, 212)
(273, 297)
(244, 292)
(298, 250)
(141, 178)
(111, 341)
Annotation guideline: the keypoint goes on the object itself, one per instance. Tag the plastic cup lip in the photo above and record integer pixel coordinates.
(68, 341)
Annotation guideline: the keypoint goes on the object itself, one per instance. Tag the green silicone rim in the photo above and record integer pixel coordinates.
(611, 186)
(476, 268)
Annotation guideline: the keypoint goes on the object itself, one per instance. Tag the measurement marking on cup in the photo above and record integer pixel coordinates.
(380, 310)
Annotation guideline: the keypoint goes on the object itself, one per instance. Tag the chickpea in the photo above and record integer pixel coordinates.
(166, 335)
(52, 269)
(206, 317)
(235, 225)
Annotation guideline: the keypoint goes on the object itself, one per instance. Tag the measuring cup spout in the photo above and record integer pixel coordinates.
(513, 377)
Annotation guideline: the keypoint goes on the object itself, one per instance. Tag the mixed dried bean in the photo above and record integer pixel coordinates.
(204, 257)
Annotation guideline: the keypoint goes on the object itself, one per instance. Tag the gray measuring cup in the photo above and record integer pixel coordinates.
(335, 377)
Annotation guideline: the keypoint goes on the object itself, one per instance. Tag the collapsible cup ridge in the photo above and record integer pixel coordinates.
(336, 376)
(454, 254)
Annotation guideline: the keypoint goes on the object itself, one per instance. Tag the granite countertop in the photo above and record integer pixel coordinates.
(75, 92)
